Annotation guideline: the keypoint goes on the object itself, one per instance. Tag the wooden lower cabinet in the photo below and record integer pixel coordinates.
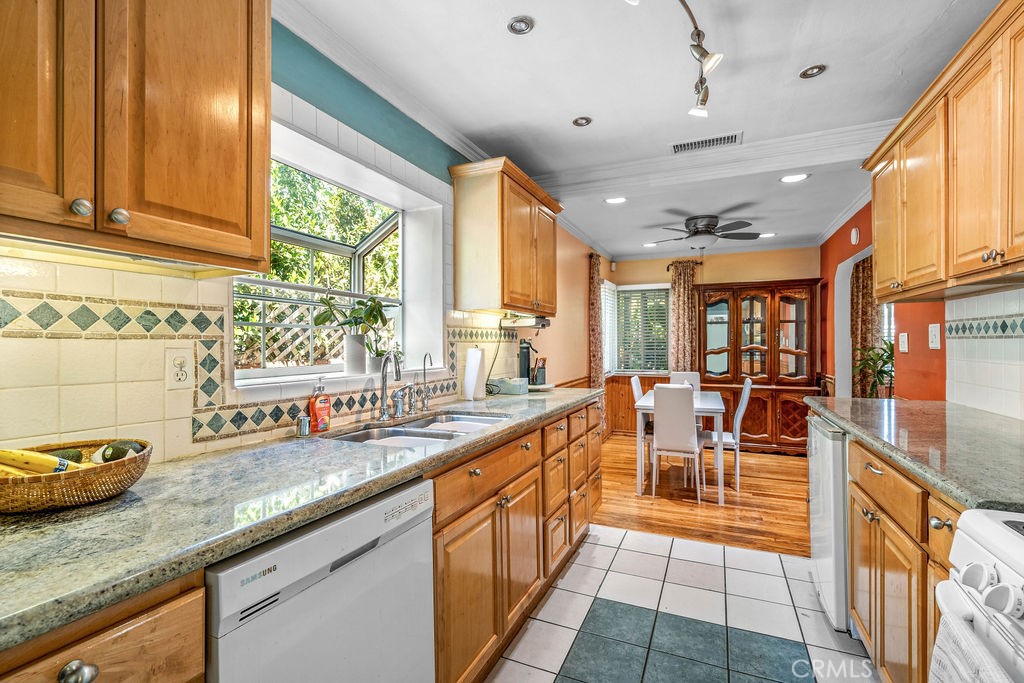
(578, 463)
(901, 575)
(555, 478)
(579, 513)
(593, 450)
(936, 573)
(522, 544)
(556, 539)
(595, 486)
(862, 564)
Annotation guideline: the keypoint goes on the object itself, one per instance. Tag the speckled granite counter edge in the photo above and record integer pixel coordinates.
(18, 627)
(898, 457)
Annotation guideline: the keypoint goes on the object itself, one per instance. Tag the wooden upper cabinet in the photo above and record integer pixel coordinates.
(922, 224)
(46, 113)
(505, 240)
(975, 180)
(885, 219)
(717, 319)
(1013, 102)
(185, 123)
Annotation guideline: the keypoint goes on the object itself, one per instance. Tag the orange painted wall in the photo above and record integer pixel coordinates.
(921, 372)
(834, 251)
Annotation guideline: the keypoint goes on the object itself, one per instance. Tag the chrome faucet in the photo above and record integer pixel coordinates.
(398, 399)
(385, 414)
(425, 390)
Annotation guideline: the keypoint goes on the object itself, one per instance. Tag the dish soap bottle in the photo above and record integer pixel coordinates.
(319, 409)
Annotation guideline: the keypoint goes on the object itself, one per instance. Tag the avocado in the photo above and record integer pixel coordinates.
(69, 454)
(120, 449)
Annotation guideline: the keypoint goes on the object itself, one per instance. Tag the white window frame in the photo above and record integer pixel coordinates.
(668, 314)
(609, 325)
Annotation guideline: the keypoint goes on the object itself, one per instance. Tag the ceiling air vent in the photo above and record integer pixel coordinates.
(708, 143)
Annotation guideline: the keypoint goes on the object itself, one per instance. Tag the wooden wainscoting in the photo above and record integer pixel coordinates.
(578, 383)
(769, 513)
(619, 410)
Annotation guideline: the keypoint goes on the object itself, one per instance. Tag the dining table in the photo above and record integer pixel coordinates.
(705, 404)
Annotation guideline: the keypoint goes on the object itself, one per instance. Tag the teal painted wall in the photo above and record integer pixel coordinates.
(300, 69)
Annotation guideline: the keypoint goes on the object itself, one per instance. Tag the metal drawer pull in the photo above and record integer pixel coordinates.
(874, 470)
(560, 428)
(526, 446)
(581, 417)
(475, 472)
(560, 458)
(581, 444)
(77, 671)
(583, 495)
(504, 501)
(561, 518)
(938, 524)
(869, 515)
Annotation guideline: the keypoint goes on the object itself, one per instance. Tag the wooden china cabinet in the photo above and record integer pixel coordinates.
(764, 331)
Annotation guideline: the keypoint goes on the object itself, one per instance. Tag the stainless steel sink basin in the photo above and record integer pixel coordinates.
(472, 422)
(381, 433)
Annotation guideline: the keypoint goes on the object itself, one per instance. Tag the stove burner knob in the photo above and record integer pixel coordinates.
(1007, 599)
(979, 576)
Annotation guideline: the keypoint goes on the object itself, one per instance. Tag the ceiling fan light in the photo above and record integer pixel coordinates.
(701, 240)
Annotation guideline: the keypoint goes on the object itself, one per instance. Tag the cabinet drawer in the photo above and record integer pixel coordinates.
(467, 484)
(577, 424)
(556, 539)
(163, 643)
(578, 463)
(579, 513)
(555, 476)
(556, 435)
(940, 540)
(593, 451)
(594, 412)
(901, 499)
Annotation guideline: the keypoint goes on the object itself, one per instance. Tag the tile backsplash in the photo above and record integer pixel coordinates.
(985, 352)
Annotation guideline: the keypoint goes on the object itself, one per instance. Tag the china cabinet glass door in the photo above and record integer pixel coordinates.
(792, 332)
(754, 334)
(718, 320)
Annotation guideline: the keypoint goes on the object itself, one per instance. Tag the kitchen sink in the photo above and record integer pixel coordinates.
(460, 424)
(395, 436)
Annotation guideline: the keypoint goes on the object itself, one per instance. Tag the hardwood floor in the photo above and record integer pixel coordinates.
(769, 512)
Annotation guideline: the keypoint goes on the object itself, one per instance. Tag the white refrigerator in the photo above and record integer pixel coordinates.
(826, 464)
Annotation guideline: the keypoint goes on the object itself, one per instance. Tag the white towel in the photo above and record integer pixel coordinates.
(959, 656)
(475, 377)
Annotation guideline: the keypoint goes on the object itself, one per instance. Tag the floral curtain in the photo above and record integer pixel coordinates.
(865, 320)
(596, 343)
(682, 343)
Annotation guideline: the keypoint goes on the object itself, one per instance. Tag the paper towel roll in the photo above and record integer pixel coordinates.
(475, 379)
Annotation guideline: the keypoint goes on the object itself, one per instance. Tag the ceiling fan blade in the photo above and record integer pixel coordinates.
(735, 225)
(671, 239)
(682, 213)
(736, 207)
(741, 236)
(677, 229)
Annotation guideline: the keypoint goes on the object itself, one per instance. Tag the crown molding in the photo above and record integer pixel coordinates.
(307, 26)
(846, 214)
(805, 150)
(575, 231)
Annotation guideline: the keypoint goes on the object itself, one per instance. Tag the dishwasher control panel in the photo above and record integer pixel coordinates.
(407, 507)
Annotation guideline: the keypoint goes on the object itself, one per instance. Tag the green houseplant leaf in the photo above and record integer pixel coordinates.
(877, 362)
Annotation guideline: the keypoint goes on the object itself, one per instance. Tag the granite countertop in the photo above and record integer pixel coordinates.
(189, 513)
(973, 456)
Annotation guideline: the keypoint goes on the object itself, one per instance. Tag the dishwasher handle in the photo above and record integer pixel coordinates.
(825, 428)
(354, 555)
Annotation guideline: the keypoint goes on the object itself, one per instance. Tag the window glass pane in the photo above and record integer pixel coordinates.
(289, 263)
(380, 268)
(248, 347)
(287, 346)
(716, 331)
(332, 271)
(287, 314)
(643, 329)
(328, 344)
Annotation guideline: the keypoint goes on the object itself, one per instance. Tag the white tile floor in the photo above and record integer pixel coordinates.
(755, 591)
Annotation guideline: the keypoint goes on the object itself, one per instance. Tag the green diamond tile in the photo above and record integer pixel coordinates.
(8, 313)
(44, 315)
(209, 363)
(117, 319)
(219, 323)
(176, 321)
(148, 319)
(201, 322)
(84, 317)
(216, 423)
(210, 386)
(276, 413)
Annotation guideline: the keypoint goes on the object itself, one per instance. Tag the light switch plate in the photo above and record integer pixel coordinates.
(935, 336)
(179, 368)
(903, 342)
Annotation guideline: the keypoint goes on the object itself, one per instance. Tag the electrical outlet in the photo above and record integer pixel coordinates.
(904, 344)
(179, 368)
(935, 336)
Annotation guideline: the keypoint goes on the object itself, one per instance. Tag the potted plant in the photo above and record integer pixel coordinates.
(365, 325)
(877, 362)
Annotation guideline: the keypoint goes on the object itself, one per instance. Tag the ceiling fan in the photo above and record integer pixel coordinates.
(704, 230)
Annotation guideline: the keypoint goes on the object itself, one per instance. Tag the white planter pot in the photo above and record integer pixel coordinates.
(355, 354)
(374, 363)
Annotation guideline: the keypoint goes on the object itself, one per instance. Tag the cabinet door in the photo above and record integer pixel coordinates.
(556, 539)
(1013, 74)
(759, 419)
(975, 188)
(593, 450)
(716, 336)
(184, 114)
(791, 412)
(517, 247)
(579, 513)
(936, 573)
(862, 565)
(546, 262)
(596, 486)
(555, 480)
(755, 333)
(468, 594)
(923, 220)
(523, 544)
(46, 113)
(885, 211)
(793, 320)
(901, 567)
(578, 463)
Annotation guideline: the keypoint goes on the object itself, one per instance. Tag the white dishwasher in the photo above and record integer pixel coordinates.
(827, 488)
(347, 598)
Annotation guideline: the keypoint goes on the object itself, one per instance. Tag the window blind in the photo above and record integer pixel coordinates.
(609, 325)
(642, 322)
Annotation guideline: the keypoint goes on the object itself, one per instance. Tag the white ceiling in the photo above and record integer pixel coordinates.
(454, 66)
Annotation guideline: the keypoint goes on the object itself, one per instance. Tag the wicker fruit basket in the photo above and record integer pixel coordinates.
(66, 489)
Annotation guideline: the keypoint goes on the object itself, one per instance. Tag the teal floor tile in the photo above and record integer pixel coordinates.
(666, 668)
(776, 659)
(594, 659)
(620, 621)
(738, 677)
(690, 638)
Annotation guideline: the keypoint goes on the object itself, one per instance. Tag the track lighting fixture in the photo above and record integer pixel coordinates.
(708, 61)
(700, 89)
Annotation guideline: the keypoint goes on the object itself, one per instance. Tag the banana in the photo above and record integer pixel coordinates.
(8, 471)
(40, 463)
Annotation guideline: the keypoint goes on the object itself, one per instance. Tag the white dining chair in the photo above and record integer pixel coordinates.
(732, 440)
(691, 378)
(676, 433)
(638, 393)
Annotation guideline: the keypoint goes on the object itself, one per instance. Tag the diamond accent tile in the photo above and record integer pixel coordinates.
(84, 317)
(201, 322)
(337, 405)
(239, 419)
(258, 416)
(117, 319)
(350, 402)
(219, 323)
(276, 413)
(148, 320)
(8, 313)
(209, 363)
(294, 411)
(374, 399)
(208, 344)
(44, 315)
(196, 426)
(362, 400)
(176, 321)
(216, 423)
(210, 386)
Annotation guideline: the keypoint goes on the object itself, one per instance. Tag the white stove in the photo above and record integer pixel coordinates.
(983, 601)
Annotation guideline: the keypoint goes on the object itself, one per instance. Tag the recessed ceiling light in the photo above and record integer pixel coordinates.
(615, 200)
(766, 235)
(582, 121)
(812, 71)
(520, 26)
(634, 3)
(648, 245)
(795, 178)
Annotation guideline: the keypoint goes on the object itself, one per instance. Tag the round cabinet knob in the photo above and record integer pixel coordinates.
(984, 257)
(120, 216)
(81, 207)
(560, 428)
(77, 671)
(526, 446)
(475, 472)
(559, 459)
(938, 524)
